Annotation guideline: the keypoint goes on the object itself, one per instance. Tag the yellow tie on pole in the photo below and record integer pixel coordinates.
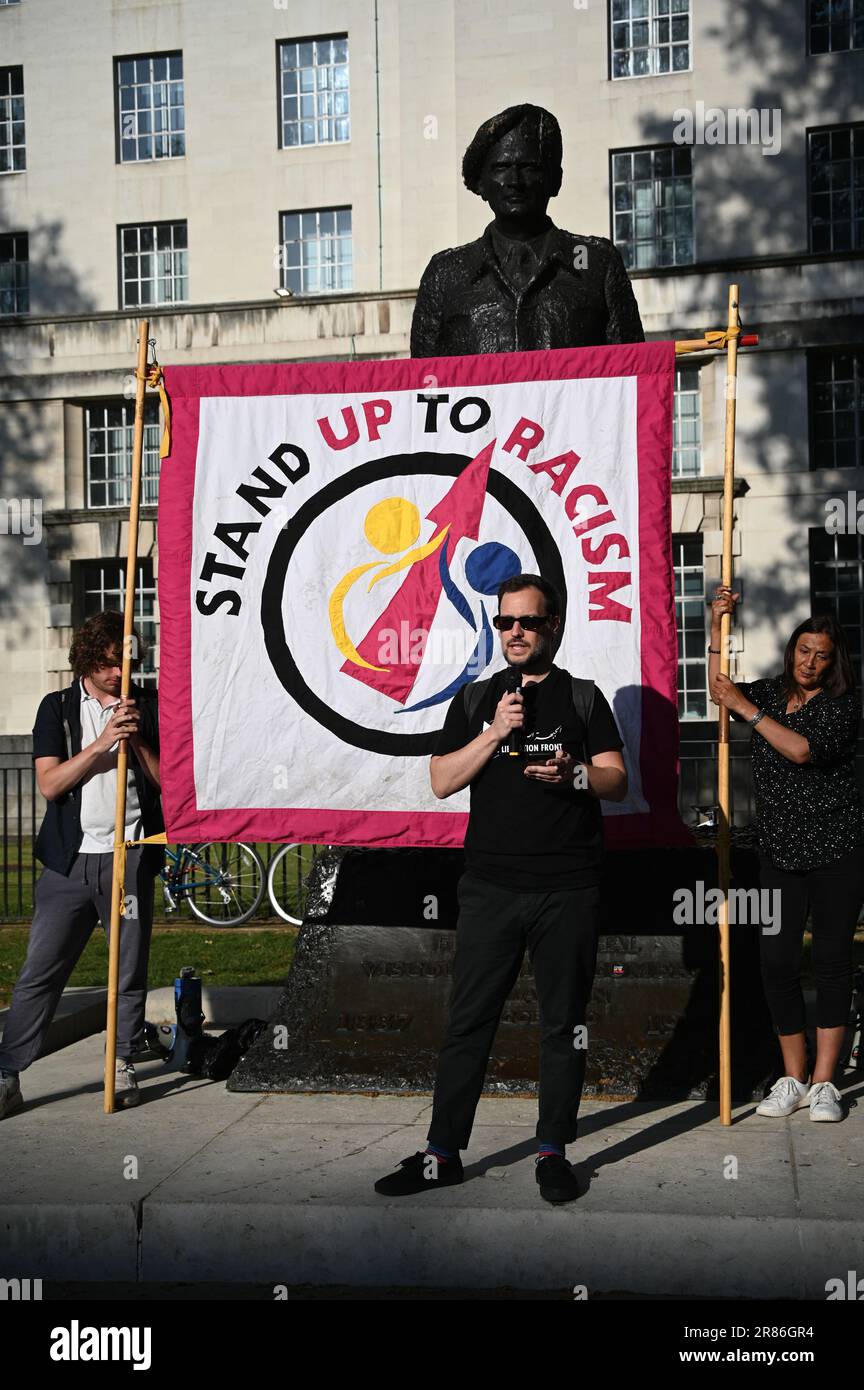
(118, 879)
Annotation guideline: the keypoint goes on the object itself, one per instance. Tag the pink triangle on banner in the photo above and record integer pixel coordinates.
(412, 609)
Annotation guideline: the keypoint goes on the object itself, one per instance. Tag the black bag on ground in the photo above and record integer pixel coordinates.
(216, 1058)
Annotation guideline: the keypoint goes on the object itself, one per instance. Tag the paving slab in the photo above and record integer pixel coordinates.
(200, 1184)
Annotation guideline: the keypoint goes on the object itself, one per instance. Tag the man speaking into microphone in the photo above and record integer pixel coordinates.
(538, 759)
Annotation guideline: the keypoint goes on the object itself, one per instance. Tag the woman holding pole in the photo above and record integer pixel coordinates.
(811, 842)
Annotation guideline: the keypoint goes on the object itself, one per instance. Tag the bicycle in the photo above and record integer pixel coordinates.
(217, 893)
(288, 894)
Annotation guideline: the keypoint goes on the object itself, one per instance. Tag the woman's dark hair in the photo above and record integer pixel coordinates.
(532, 581)
(539, 122)
(839, 677)
(94, 642)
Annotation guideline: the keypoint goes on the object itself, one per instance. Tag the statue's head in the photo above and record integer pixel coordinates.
(514, 162)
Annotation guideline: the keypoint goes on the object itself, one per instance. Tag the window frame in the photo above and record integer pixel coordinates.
(653, 149)
(809, 132)
(316, 143)
(832, 52)
(283, 267)
(680, 539)
(812, 356)
(118, 133)
(145, 584)
(817, 605)
(697, 368)
(17, 312)
(11, 96)
(121, 283)
(151, 406)
(652, 18)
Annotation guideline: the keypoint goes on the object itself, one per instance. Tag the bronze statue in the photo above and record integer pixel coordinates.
(525, 283)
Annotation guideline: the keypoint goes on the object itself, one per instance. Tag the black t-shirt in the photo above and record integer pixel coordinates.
(808, 813)
(522, 834)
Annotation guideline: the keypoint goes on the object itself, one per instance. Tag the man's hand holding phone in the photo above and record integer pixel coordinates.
(559, 771)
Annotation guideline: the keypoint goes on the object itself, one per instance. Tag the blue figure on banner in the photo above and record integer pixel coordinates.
(485, 570)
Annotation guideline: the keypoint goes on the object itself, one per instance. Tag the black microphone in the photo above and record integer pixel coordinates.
(512, 683)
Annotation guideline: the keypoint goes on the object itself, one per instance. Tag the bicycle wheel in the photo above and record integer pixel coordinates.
(228, 883)
(287, 879)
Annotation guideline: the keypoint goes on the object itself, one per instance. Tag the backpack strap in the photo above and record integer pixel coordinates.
(473, 693)
(583, 699)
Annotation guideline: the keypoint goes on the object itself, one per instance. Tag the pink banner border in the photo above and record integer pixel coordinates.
(652, 363)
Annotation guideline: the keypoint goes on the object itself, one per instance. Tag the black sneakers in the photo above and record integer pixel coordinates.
(421, 1173)
(557, 1179)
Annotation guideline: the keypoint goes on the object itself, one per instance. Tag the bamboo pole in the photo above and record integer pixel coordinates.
(730, 339)
(118, 881)
(723, 841)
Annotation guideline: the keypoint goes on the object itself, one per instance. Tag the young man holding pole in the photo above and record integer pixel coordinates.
(76, 739)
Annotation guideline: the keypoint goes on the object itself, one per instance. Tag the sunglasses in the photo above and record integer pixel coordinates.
(528, 621)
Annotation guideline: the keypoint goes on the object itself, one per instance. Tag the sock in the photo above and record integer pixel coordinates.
(545, 1149)
(442, 1155)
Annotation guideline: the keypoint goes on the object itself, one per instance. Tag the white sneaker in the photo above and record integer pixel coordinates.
(11, 1098)
(825, 1101)
(126, 1091)
(786, 1095)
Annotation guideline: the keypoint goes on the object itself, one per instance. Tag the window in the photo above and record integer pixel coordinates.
(13, 158)
(836, 586)
(836, 25)
(316, 251)
(836, 394)
(690, 622)
(153, 264)
(650, 37)
(101, 584)
(313, 91)
(687, 424)
(151, 117)
(652, 201)
(837, 188)
(108, 431)
(14, 273)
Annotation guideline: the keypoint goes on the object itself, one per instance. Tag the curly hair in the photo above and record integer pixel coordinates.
(539, 122)
(94, 642)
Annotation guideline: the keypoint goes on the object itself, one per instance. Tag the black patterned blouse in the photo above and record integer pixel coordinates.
(808, 813)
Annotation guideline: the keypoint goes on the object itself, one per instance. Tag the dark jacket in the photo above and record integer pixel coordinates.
(60, 834)
(465, 304)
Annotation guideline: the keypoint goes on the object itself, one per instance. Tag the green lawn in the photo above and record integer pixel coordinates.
(220, 955)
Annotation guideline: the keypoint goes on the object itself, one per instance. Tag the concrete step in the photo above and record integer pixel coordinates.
(201, 1184)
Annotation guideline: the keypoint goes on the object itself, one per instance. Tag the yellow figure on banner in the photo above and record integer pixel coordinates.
(389, 526)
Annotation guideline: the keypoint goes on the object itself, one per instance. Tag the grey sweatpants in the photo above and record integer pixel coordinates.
(65, 912)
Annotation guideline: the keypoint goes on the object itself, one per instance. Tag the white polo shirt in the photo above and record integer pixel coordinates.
(99, 788)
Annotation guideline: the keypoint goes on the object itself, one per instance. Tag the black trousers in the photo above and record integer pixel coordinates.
(834, 894)
(495, 925)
